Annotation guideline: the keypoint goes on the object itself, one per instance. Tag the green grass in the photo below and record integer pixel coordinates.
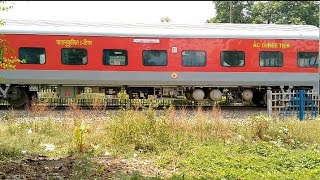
(182, 146)
(254, 161)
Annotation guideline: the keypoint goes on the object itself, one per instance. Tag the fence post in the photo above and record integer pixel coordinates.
(301, 104)
(269, 103)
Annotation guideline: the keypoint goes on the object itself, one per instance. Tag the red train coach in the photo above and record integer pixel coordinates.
(165, 60)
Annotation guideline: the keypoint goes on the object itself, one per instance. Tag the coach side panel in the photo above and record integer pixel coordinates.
(213, 73)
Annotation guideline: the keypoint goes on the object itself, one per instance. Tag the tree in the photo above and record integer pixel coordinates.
(266, 12)
(240, 12)
(166, 19)
(286, 12)
(7, 60)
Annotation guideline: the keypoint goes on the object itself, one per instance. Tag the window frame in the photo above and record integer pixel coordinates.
(244, 59)
(307, 52)
(272, 66)
(127, 57)
(205, 55)
(155, 65)
(45, 53)
(74, 64)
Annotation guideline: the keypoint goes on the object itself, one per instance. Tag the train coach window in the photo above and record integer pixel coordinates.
(32, 55)
(308, 59)
(271, 59)
(74, 56)
(194, 58)
(155, 58)
(232, 58)
(115, 57)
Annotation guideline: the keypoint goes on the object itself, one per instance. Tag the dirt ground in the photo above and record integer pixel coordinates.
(42, 167)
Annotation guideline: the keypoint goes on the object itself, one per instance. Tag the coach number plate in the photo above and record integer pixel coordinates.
(174, 50)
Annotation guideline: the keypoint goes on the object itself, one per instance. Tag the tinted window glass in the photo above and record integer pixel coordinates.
(193, 58)
(155, 58)
(31, 55)
(115, 57)
(232, 58)
(271, 59)
(308, 59)
(73, 56)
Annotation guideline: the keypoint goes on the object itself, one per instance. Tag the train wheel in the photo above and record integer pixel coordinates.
(17, 97)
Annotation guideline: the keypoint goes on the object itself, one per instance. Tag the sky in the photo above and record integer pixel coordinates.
(181, 12)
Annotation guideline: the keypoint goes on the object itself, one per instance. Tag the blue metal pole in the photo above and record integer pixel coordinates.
(301, 104)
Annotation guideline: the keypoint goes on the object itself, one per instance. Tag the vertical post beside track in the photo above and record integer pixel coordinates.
(301, 104)
(269, 103)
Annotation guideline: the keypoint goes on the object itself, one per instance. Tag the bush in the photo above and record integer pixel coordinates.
(139, 130)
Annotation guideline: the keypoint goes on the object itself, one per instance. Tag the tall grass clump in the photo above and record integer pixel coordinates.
(138, 130)
(149, 130)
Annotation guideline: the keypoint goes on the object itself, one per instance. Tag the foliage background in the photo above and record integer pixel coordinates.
(267, 12)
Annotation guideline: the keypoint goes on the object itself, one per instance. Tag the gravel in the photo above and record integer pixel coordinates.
(61, 115)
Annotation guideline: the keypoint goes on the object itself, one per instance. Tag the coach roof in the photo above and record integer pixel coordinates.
(208, 30)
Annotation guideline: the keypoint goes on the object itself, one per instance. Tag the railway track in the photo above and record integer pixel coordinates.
(62, 113)
(177, 107)
(116, 104)
(59, 110)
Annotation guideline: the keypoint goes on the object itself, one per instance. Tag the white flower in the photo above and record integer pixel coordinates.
(48, 147)
(23, 151)
(95, 146)
(135, 155)
(29, 131)
(107, 153)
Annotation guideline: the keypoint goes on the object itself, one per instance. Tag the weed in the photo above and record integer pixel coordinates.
(10, 119)
(79, 133)
(9, 153)
(260, 126)
(136, 175)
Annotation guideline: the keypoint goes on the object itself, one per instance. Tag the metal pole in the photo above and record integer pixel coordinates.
(301, 104)
(269, 103)
(230, 4)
